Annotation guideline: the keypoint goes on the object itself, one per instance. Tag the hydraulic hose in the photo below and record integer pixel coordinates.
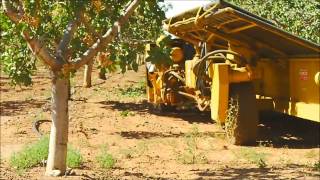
(215, 56)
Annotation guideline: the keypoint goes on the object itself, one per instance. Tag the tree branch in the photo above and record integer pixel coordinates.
(67, 37)
(37, 47)
(40, 51)
(10, 12)
(102, 42)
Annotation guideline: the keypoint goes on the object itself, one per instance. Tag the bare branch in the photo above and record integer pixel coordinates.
(36, 46)
(67, 37)
(94, 35)
(106, 38)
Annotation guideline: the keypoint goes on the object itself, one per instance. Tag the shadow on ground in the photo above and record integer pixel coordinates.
(277, 130)
(126, 106)
(293, 172)
(191, 115)
(11, 108)
(282, 130)
(149, 135)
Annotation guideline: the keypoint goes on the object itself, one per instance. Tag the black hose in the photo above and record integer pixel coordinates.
(215, 55)
(224, 51)
(36, 124)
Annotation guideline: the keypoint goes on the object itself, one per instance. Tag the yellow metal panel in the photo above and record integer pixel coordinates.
(304, 91)
(303, 87)
(274, 81)
(190, 76)
(150, 94)
(309, 111)
(220, 92)
(236, 76)
(292, 86)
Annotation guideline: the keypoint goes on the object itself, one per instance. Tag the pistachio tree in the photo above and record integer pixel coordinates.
(301, 18)
(66, 35)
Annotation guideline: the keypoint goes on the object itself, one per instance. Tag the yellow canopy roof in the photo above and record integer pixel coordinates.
(220, 22)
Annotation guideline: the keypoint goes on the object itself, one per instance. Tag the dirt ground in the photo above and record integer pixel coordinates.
(152, 146)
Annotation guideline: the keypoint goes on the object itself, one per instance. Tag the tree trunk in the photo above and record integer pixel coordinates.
(87, 75)
(69, 89)
(56, 164)
(102, 73)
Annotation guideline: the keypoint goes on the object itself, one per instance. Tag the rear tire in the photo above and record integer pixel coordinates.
(242, 121)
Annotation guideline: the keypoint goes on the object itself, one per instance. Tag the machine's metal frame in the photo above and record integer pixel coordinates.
(283, 69)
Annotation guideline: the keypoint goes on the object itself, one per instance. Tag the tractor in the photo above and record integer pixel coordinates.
(234, 64)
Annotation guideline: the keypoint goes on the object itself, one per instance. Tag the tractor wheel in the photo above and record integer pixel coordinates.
(242, 120)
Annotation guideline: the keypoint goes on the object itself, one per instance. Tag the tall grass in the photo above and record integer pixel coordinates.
(74, 158)
(31, 155)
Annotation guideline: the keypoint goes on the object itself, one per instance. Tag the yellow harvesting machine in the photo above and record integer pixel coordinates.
(234, 64)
